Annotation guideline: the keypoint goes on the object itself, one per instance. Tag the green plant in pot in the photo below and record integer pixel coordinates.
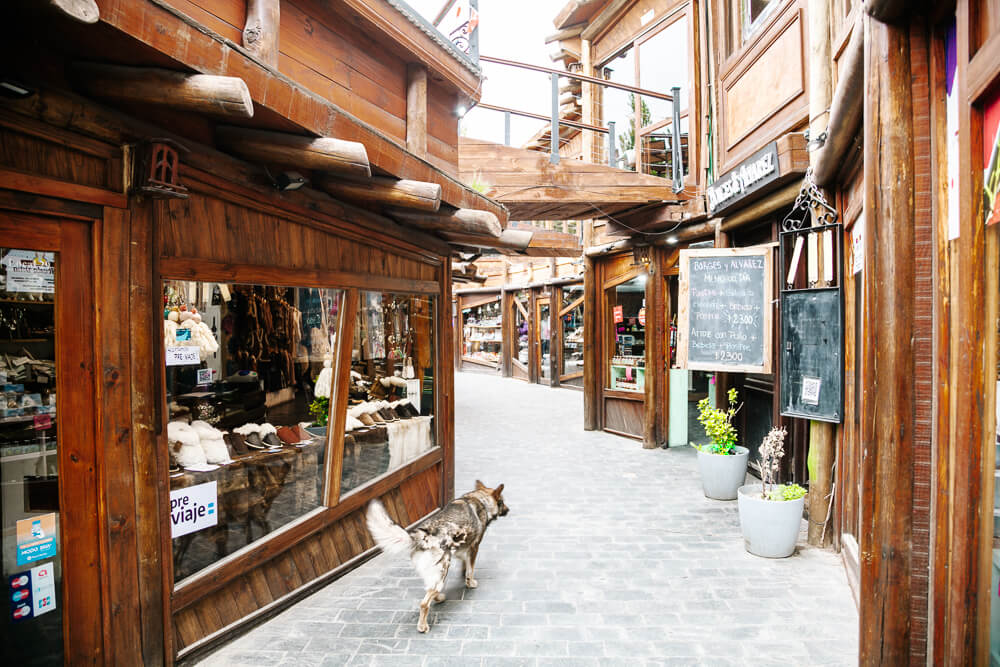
(722, 463)
(771, 513)
(320, 410)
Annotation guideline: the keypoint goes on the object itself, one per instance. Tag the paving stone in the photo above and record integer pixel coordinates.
(611, 555)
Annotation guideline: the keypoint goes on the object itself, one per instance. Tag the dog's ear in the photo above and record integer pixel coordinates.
(497, 491)
(480, 486)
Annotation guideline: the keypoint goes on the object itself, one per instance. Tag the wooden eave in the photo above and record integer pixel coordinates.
(532, 188)
(577, 11)
(190, 44)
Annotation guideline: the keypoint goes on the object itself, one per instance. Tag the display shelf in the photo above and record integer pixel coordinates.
(22, 341)
(28, 303)
(619, 373)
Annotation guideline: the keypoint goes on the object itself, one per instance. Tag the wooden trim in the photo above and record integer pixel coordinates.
(638, 396)
(41, 185)
(984, 68)
(520, 306)
(337, 421)
(444, 391)
(56, 135)
(571, 376)
(476, 300)
(177, 268)
(481, 362)
(623, 278)
(211, 579)
(25, 202)
(623, 434)
(571, 307)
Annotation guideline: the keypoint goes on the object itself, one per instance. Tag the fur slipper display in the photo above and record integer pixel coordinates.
(212, 442)
(237, 443)
(185, 444)
(353, 424)
(269, 435)
(251, 434)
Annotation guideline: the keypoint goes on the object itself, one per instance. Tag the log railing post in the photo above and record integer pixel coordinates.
(416, 109)
(260, 35)
(554, 129)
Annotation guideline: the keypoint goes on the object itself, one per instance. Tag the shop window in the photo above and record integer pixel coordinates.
(391, 396)
(627, 317)
(544, 316)
(481, 338)
(520, 320)
(248, 387)
(571, 321)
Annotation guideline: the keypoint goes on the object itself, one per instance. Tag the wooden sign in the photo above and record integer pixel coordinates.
(725, 314)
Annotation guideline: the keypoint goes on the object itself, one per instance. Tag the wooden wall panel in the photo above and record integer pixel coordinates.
(642, 15)
(304, 562)
(33, 155)
(213, 229)
(226, 17)
(624, 416)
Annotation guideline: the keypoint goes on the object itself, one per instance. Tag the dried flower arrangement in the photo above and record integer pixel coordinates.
(772, 450)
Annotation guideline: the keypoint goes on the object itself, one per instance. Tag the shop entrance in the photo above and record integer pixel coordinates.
(543, 338)
(47, 446)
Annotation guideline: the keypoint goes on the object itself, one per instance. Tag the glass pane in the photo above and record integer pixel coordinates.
(481, 337)
(544, 336)
(663, 64)
(754, 12)
(249, 372)
(572, 330)
(521, 327)
(627, 303)
(29, 462)
(618, 106)
(390, 416)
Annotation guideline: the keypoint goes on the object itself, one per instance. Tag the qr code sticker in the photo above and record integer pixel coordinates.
(810, 390)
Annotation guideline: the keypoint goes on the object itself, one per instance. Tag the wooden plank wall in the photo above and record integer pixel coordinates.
(323, 49)
(322, 552)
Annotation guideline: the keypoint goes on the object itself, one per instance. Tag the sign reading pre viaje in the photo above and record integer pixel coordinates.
(725, 310)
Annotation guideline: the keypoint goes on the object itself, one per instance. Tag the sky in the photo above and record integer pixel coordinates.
(515, 30)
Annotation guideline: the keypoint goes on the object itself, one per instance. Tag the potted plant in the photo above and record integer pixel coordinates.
(722, 463)
(320, 410)
(771, 513)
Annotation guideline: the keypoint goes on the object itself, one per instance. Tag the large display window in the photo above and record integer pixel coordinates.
(390, 410)
(248, 376)
(482, 340)
(571, 321)
(520, 339)
(627, 318)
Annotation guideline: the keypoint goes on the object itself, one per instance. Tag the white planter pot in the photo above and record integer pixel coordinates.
(722, 475)
(770, 527)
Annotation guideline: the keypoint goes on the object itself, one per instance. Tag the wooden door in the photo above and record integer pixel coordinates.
(51, 556)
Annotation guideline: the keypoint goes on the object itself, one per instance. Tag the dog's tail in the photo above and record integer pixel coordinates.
(386, 533)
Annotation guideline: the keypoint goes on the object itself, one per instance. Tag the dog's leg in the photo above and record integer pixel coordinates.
(434, 594)
(470, 567)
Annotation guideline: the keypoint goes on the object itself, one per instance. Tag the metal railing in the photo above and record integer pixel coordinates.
(677, 168)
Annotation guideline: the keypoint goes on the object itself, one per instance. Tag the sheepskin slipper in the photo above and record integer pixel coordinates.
(215, 450)
(366, 419)
(377, 418)
(205, 430)
(251, 434)
(237, 443)
(185, 444)
(269, 435)
(353, 424)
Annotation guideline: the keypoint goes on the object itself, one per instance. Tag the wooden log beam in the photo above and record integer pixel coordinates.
(260, 34)
(769, 204)
(464, 221)
(201, 93)
(388, 191)
(591, 398)
(416, 109)
(293, 150)
(516, 240)
(700, 230)
(84, 11)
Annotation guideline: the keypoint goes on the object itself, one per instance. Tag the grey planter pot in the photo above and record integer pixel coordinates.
(722, 475)
(770, 527)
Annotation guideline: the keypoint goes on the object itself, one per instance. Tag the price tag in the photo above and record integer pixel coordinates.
(184, 355)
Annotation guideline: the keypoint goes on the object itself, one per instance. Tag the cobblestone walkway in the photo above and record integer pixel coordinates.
(610, 555)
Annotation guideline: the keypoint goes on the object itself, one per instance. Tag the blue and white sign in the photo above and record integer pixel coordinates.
(193, 508)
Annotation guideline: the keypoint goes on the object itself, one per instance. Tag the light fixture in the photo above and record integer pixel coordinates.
(289, 180)
(14, 89)
(672, 240)
(461, 110)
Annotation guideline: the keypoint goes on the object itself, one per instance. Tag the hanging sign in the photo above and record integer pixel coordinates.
(36, 538)
(193, 508)
(619, 316)
(725, 316)
(748, 177)
(30, 271)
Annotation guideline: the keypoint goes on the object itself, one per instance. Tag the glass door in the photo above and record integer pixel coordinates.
(543, 336)
(46, 443)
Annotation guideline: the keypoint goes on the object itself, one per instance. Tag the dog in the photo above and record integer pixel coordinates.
(454, 532)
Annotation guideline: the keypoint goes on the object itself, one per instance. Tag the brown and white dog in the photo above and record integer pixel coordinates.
(454, 532)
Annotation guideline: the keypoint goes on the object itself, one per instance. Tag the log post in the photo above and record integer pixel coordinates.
(416, 109)
(590, 347)
(821, 434)
(293, 150)
(462, 221)
(654, 353)
(84, 11)
(887, 416)
(260, 35)
(416, 195)
(201, 93)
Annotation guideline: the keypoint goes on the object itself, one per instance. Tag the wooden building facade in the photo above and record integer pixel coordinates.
(218, 336)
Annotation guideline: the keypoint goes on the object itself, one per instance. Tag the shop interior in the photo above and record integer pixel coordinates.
(627, 315)
(571, 321)
(482, 340)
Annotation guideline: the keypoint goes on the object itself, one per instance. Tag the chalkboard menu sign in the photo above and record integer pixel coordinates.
(725, 310)
(812, 368)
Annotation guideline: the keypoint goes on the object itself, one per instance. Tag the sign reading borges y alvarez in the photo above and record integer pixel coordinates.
(749, 177)
(725, 312)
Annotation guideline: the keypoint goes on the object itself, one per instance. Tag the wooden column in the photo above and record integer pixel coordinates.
(446, 385)
(654, 353)
(416, 109)
(590, 139)
(887, 418)
(260, 35)
(591, 420)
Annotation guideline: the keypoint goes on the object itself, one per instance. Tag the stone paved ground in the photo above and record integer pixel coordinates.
(610, 555)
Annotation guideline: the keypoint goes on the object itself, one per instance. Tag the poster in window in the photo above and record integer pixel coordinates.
(991, 156)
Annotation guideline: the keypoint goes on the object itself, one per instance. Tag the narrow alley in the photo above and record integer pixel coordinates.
(610, 555)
